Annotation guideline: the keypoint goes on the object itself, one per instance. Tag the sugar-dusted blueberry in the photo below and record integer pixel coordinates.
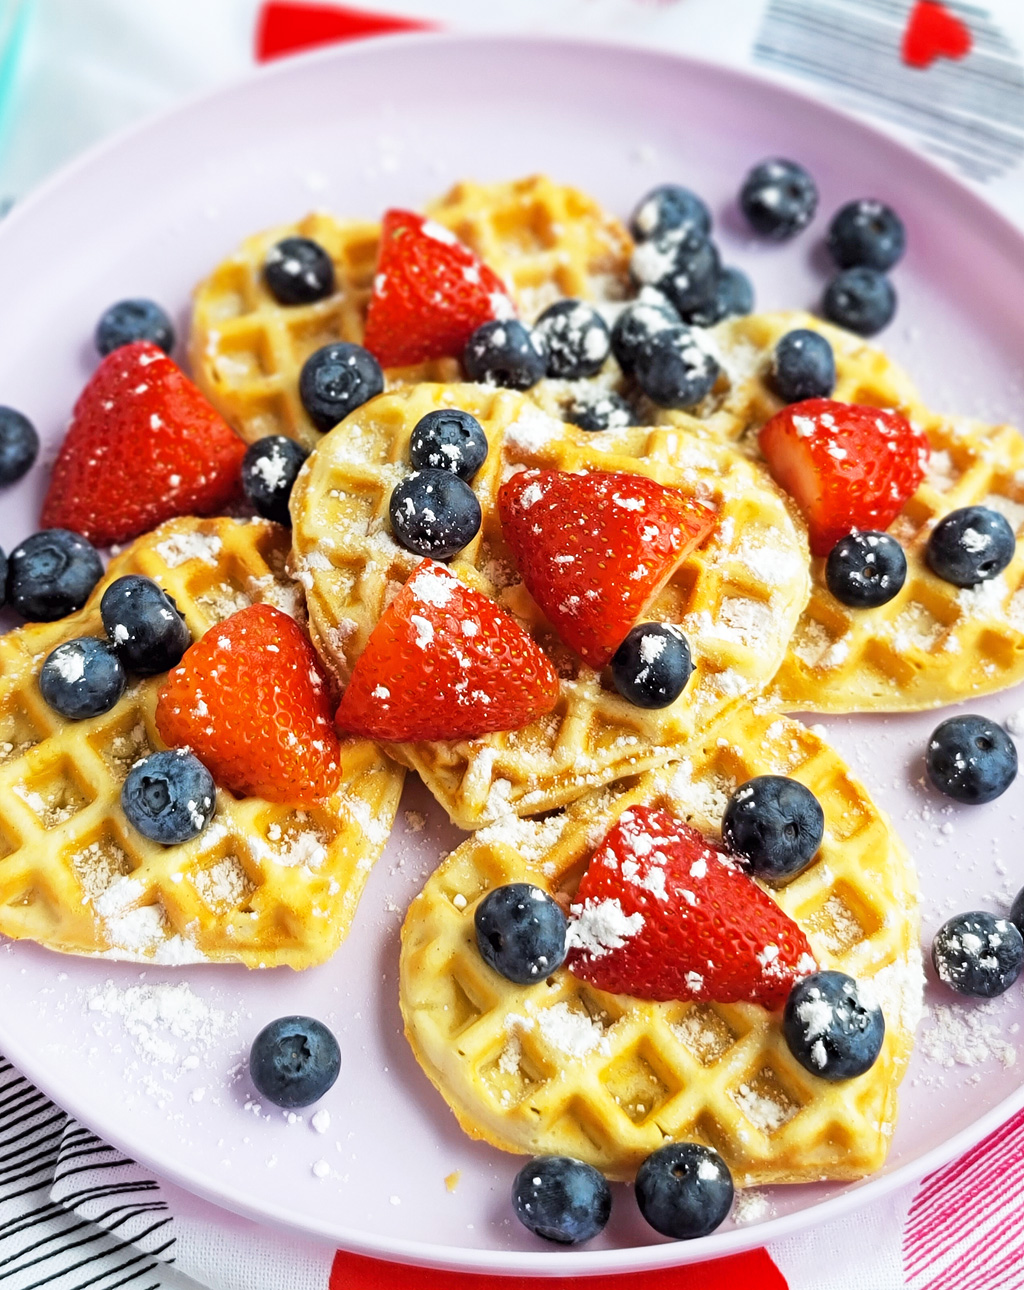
(652, 665)
(132, 320)
(144, 625)
(674, 370)
(82, 678)
(970, 545)
(778, 198)
(669, 208)
(576, 337)
(562, 1199)
(638, 323)
(448, 439)
(434, 513)
(520, 932)
(598, 409)
(683, 267)
(774, 825)
(866, 569)
(51, 574)
(978, 954)
(505, 352)
(19, 445)
(170, 797)
(803, 366)
(971, 759)
(684, 1190)
(1017, 911)
(269, 470)
(294, 1061)
(734, 296)
(337, 379)
(298, 271)
(866, 233)
(861, 300)
(833, 1025)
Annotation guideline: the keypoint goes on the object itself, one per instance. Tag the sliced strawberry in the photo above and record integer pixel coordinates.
(595, 549)
(444, 662)
(143, 446)
(430, 293)
(847, 467)
(662, 914)
(250, 700)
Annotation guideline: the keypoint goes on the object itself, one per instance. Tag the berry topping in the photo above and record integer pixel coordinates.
(434, 513)
(82, 678)
(444, 662)
(684, 1190)
(448, 439)
(778, 198)
(662, 914)
(520, 932)
(866, 569)
(562, 1199)
(169, 797)
(298, 271)
(595, 549)
(269, 468)
(773, 826)
(596, 409)
(638, 323)
(1017, 911)
(674, 371)
(3, 578)
(143, 446)
(132, 320)
(505, 353)
(576, 338)
(652, 665)
(144, 625)
(19, 445)
(430, 293)
(861, 300)
(682, 266)
(337, 379)
(833, 1025)
(294, 1061)
(868, 234)
(803, 367)
(51, 575)
(847, 467)
(971, 759)
(734, 295)
(669, 209)
(279, 743)
(978, 954)
(970, 545)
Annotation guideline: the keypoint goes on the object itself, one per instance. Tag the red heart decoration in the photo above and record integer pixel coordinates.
(933, 32)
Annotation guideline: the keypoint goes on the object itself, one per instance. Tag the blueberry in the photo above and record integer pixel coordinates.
(684, 1190)
(668, 209)
(734, 295)
(638, 324)
(683, 267)
(132, 320)
(803, 367)
(867, 234)
(833, 1026)
(51, 574)
(674, 371)
(866, 569)
(19, 445)
(169, 797)
(562, 1199)
(970, 545)
(294, 1061)
(269, 468)
(576, 337)
(144, 625)
(598, 409)
(448, 439)
(652, 665)
(520, 932)
(774, 825)
(1017, 912)
(978, 954)
(434, 513)
(971, 759)
(3, 578)
(298, 271)
(778, 198)
(505, 352)
(861, 300)
(337, 379)
(82, 678)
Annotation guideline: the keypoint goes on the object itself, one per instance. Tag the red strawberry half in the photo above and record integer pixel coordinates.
(847, 467)
(143, 446)
(595, 549)
(662, 914)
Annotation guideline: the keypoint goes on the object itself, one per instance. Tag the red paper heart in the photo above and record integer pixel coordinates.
(933, 32)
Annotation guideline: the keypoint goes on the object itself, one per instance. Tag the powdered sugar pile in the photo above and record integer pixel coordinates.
(161, 1020)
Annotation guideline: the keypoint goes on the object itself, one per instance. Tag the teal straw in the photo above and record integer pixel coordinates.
(13, 26)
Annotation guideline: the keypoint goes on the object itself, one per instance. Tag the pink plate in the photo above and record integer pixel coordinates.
(395, 122)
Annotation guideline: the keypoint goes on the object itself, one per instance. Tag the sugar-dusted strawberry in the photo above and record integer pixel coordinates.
(662, 914)
(847, 467)
(250, 700)
(430, 293)
(144, 445)
(444, 662)
(595, 549)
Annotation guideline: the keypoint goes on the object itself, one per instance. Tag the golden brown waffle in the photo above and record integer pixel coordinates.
(737, 598)
(264, 884)
(564, 1068)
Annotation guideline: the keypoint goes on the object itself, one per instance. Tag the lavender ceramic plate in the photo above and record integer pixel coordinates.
(395, 122)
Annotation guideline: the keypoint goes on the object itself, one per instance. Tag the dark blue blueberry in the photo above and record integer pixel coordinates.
(1017, 912)
(298, 271)
(337, 379)
(144, 625)
(774, 825)
(866, 569)
(639, 323)
(434, 513)
(51, 574)
(669, 209)
(562, 1199)
(970, 545)
(833, 1026)
(294, 1061)
(861, 300)
(868, 234)
(82, 678)
(598, 409)
(734, 295)
(269, 468)
(505, 352)
(652, 665)
(803, 367)
(448, 439)
(684, 1190)
(576, 337)
(683, 267)
(971, 759)
(169, 797)
(520, 932)
(674, 371)
(978, 954)
(3, 578)
(132, 320)
(19, 445)
(778, 198)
